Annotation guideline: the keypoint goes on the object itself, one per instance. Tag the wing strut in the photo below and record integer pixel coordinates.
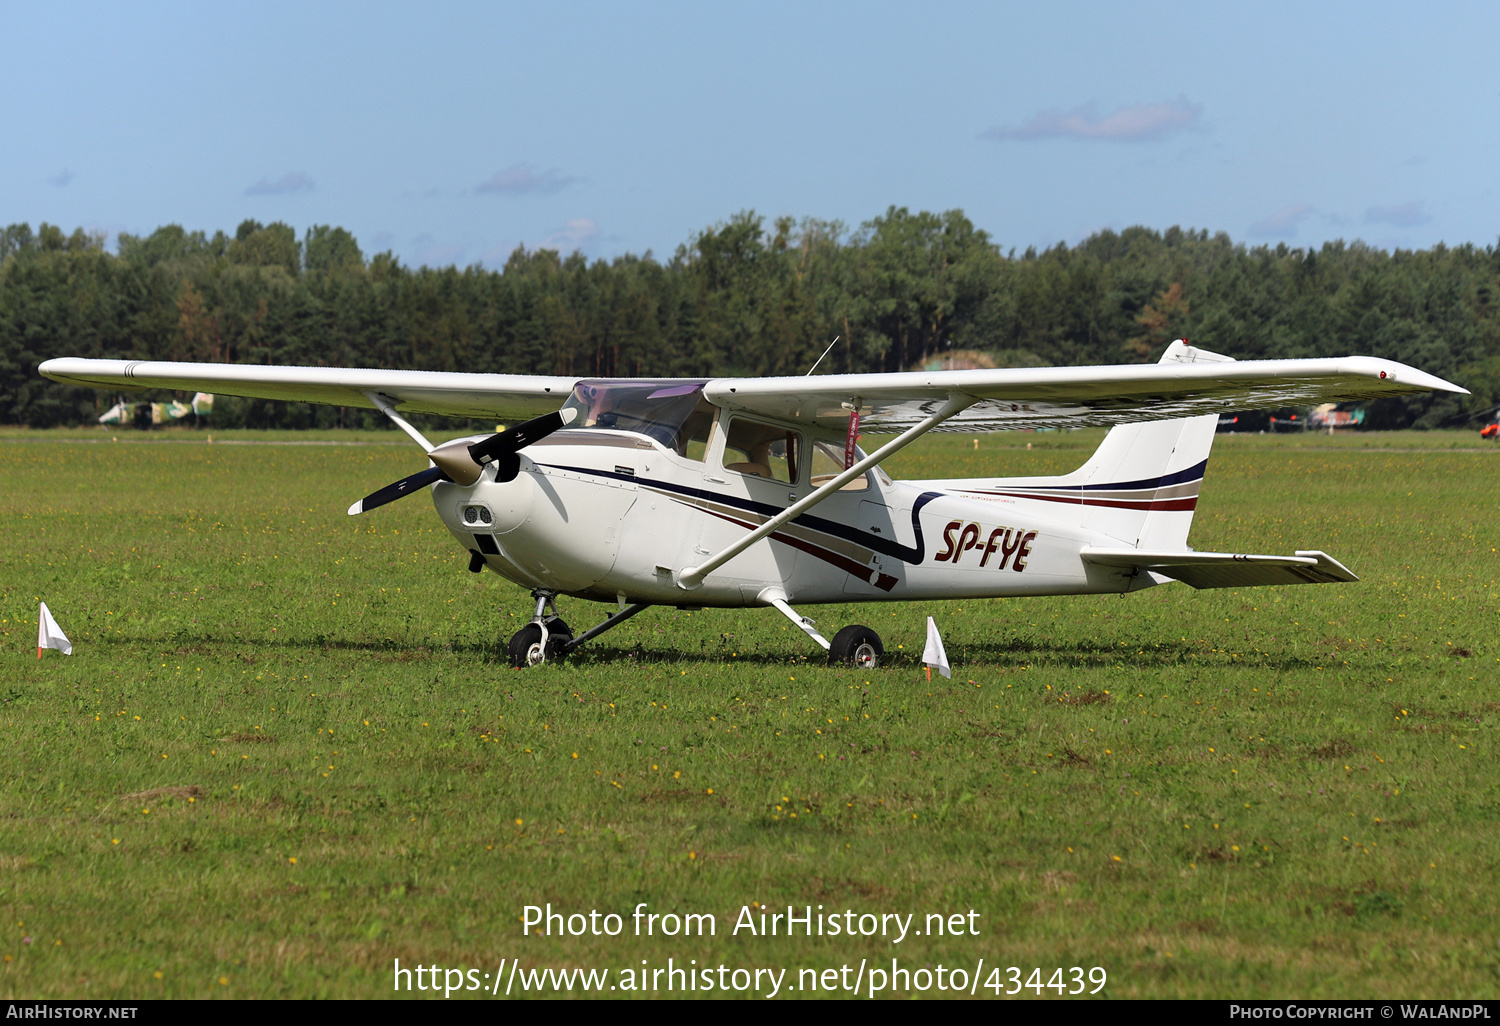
(387, 407)
(691, 577)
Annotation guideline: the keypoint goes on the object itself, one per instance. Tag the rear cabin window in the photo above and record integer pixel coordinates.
(762, 450)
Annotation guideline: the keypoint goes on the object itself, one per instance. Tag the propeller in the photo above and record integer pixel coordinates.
(462, 462)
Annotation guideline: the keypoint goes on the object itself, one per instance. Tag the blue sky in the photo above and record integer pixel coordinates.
(450, 133)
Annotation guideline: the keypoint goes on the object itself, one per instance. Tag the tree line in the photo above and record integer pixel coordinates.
(902, 291)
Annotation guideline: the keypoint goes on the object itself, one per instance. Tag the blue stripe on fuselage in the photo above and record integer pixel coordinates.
(1190, 474)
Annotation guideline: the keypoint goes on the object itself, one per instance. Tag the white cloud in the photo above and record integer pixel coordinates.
(1283, 223)
(580, 231)
(292, 181)
(1139, 122)
(519, 179)
(61, 179)
(1403, 215)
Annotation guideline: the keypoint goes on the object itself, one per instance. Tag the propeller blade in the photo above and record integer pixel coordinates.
(392, 492)
(464, 463)
(520, 436)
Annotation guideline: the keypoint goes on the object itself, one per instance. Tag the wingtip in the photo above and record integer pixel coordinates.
(358, 508)
(1406, 375)
(1437, 384)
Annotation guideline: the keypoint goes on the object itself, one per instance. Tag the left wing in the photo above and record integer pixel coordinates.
(1188, 382)
(509, 397)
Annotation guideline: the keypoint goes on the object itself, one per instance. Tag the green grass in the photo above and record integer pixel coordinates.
(1267, 792)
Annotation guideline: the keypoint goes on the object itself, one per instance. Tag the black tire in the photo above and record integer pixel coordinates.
(858, 646)
(525, 644)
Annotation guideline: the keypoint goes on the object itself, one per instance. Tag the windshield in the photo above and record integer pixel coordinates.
(673, 412)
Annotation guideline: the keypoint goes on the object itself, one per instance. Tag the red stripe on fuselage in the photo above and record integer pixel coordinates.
(1188, 504)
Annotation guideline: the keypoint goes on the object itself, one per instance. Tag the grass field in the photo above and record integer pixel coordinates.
(288, 751)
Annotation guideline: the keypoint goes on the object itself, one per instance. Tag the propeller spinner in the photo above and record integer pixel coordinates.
(462, 462)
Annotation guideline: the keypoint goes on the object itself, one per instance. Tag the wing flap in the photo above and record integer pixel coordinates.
(1228, 569)
(493, 396)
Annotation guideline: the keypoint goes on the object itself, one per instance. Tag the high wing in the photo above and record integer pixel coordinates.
(508, 397)
(1189, 382)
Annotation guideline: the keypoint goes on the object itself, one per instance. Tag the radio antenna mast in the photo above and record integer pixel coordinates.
(820, 359)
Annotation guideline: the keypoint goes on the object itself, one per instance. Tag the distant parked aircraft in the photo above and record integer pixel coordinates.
(149, 414)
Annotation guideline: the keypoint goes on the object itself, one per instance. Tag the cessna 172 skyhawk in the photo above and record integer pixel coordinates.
(752, 491)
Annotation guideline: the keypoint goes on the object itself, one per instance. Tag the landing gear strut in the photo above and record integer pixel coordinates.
(547, 637)
(855, 645)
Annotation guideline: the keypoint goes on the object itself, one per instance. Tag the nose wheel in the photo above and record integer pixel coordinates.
(529, 648)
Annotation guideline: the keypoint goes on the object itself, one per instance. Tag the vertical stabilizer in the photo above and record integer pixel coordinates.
(1141, 485)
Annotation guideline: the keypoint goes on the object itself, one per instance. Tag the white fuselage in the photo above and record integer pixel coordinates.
(613, 514)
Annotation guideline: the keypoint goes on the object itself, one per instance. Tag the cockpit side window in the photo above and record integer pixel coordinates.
(762, 450)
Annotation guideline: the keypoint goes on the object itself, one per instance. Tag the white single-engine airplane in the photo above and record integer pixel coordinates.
(752, 492)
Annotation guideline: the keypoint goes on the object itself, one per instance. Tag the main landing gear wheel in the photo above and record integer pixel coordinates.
(526, 643)
(856, 645)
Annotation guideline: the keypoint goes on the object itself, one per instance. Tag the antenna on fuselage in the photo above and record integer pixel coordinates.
(820, 359)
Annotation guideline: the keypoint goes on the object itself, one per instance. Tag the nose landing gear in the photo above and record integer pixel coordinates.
(545, 637)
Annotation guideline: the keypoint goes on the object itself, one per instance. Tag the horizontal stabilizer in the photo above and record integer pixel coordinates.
(1228, 569)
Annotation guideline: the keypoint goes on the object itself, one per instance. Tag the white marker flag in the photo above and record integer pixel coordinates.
(50, 635)
(934, 655)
